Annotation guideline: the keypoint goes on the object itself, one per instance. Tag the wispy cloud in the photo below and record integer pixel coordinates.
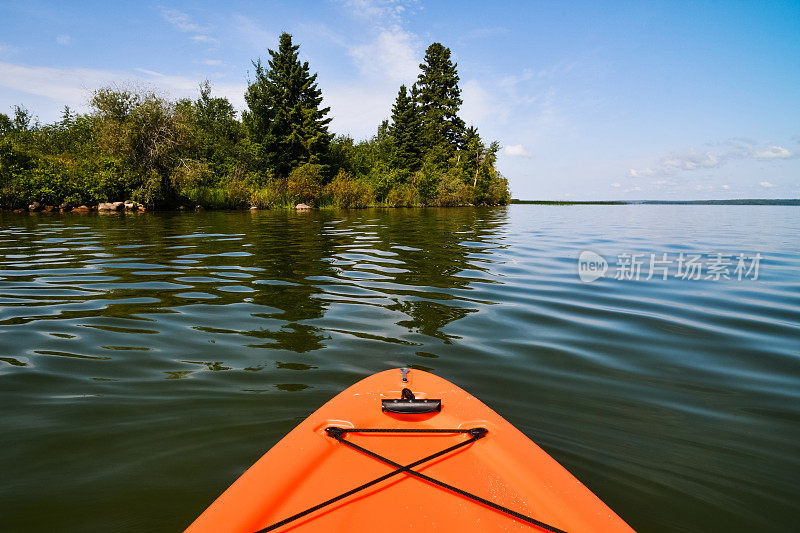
(205, 39)
(689, 160)
(253, 33)
(517, 150)
(185, 24)
(773, 152)
(182, 21)
(394, 53)
(380, 10)
(389, 58)
(73, 86)
(70, 86)
(7, 49)
(633, 173)
(385, 53)
(63, 39)
(481, 104)
(694, 159)
(496, 103)
(765, 184)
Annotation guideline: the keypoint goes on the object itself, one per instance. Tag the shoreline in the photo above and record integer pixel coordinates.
(85, 210)
(743, 201)
(130, 207)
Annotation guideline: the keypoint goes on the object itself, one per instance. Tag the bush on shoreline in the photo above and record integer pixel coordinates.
(135, 144)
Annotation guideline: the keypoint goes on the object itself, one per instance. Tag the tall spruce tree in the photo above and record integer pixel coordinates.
(284, 115)
(405, 130)
(440, 99)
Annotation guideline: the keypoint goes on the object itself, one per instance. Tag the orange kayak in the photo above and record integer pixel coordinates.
(405, 450)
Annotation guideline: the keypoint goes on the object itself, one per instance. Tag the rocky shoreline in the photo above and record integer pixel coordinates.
(128, 206)
(103, 207)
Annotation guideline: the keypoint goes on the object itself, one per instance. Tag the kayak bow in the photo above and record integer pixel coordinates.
(404, 450)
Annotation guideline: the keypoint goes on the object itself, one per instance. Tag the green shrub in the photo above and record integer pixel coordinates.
(452, 191)
(305, 183)
(427, 183)
(403, 195)
(497, 192)
(347, 192)
(271, 194)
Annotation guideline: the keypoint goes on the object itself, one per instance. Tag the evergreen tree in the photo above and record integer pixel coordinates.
(440, 99)
(284, 114)
(470, 137)
(471, 153)
(405, 131)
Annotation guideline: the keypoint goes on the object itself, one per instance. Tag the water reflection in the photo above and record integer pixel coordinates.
(260, 281)
(139, 352)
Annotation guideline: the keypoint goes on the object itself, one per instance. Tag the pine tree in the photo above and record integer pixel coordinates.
(471, 153)
(284, 115)
(440, 99)
(405, 130)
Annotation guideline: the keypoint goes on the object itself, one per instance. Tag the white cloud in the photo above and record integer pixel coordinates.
(151, 73)
(689, 160)
(379, 10)
(182, 21)
(632, 172)
(726, 187)
(212, 62)
(693, 159)
(68, 85)
(394, 54)
(73, 86)
(773, 152)
(517, 150)
(63, 39)
(385, 55)
(253, 33)
(701, 187)
(616, 185)
(481, 105)
(357, 110)
(765, 184)
(204, 39)
(530, 106)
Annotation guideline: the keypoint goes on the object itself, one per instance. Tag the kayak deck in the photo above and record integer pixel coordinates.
(313, 464)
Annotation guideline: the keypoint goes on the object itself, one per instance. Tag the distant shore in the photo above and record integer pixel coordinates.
(744, 201)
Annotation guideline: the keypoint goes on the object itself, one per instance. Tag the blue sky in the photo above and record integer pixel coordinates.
(590, 100)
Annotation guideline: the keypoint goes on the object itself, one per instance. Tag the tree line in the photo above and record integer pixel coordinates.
(136, 144)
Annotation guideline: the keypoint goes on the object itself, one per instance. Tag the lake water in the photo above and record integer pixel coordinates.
(147, 360)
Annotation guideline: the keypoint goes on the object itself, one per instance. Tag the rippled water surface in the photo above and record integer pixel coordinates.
(146, 361)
